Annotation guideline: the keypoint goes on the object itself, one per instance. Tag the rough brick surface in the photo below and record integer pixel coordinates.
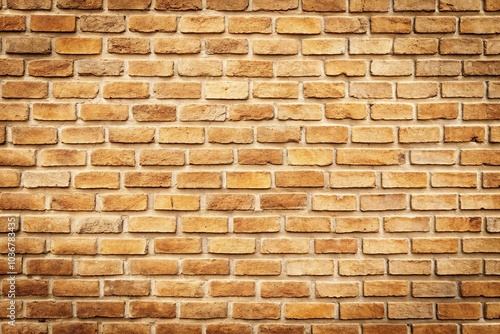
(251, 166)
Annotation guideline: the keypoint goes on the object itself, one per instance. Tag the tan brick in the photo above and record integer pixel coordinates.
(178, 328)
(134, 4)
(10, 178)
(355, 111)
(178, 5)
(308, 224)
(152, 224)
(391, 25)
(346, 24)
(151, 309)
(419, 134)
(211, 156)
(479, 201)
(226, 46)
(379, 134)
(12, 23)
(386, 288)
(309, 267)
(481, 111)
(279, 5)
(232, 288)
(428, 111)
(53, 23)
(143, 266)
(99, 225)
(350, 311)
(100, 68)
(177, 90)
(410, 267)
(256, 224)
(411, 5)
(415, 46)
(454, 179)
(283, 201)
(423, 202)
(230, 202)
(75, 287)
(113, 157)
(28, 45)
(62, 157)
(54, 112)
(434, 289)
(148, 179)
(131, 135)
(86, 267)
(123, 45)
(25, 89)
(154, 113)
(173, 45)
(335, 328)
(334, 203)
(11, 67)
(369, 5)
(309, 311)
(198, 224)
(434, 68)
(203, 310)
(201, 24)
(255, 311)
(59, 267)
(367, 267)
(410, 310)
(145, 68)
(199, 68)
(226, 90)
(324, 6)
(307, 112)
(435, 24)
(385, 246)
(417, 90)
(231, 246)
(298, 25)
(36, 135)
(404, 180)
(100, 112)
(285, 246)
(46, 179)
(356, 224)
(391, 111)
(93, 180)
(127, 287)
(112, 202)
(345, 67)
(126, 90)
(77, 4)
(469, 46)
(148, 23)
(373, 46)
(336, 290)
(184, 135)
(14, 111)
(249, 25)
(49, 309)
(123, 246)
(370, 90)
(73, 202)
(466, 311)
(180, 289)
(102, 23)
(380, 202)
(280, 46)
(354, 179)
(104, 309)
(479, 25)
(479, 157)
(139, 328)
(376, 157)
(222, 5)
(491, 180)
(78, 90)
(334, 46)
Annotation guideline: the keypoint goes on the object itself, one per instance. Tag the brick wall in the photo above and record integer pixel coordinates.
(263, 166)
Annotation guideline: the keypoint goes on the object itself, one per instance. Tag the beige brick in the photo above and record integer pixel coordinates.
(479, 25)
(373, 46)
(415, 46)
(199, 68)
(145, 68)
(469, 46)
(53, 23)
(417, 90)
(411, 5)
(178, 4)
(226, 46)
(334, 203)
(334, 46)
(370, 90)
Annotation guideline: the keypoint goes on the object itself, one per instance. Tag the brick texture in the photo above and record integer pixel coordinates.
(251, 166)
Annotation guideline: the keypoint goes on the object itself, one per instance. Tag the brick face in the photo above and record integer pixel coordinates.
(320, 166)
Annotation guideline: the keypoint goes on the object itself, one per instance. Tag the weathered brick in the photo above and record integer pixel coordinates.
(346, 24)
(173, 45)
(53, 23)
(148, 23)
(102, 23)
